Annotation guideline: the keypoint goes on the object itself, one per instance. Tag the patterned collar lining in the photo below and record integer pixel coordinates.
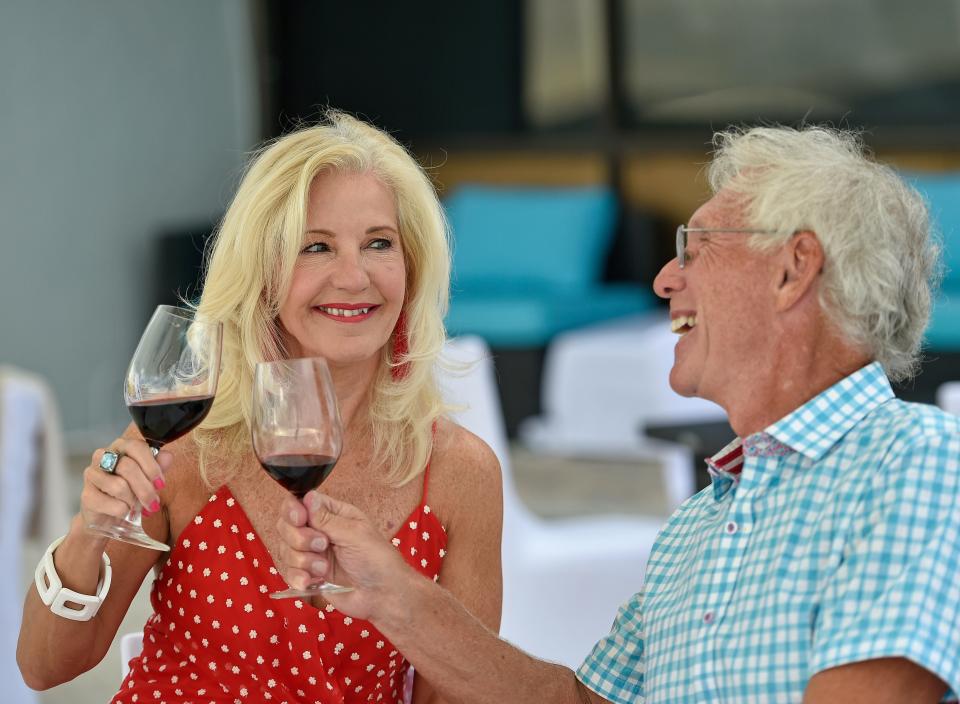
(812, 429)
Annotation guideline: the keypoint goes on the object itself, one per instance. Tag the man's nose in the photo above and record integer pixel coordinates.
(669, 280)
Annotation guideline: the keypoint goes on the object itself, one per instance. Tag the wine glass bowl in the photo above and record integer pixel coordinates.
(169, 389)
(297, 433)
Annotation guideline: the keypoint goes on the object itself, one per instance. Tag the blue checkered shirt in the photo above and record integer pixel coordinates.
(838, 541)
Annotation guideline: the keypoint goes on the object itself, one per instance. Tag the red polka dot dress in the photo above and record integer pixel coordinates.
(216, 636)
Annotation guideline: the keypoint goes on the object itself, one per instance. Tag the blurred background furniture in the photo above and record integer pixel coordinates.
(942, 192)
(33, 499)
(131, 645)
(529, 263)
(563, 580)
(603, 386)
(948, 397)
(941, 358)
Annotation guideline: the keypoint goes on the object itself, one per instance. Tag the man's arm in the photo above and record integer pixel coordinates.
(463, 660)
(880, 681)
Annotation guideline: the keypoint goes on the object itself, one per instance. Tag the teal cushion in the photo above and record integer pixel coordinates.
(552, 238)
(942, 192)
(943, 333)
(515, 319)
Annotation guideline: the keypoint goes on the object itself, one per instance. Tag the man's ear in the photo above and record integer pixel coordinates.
(802, 263)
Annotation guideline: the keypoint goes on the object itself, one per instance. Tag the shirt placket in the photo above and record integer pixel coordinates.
(731, 536)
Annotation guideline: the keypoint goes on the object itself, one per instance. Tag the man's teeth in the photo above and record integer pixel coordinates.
(343, 313)
(683, 324)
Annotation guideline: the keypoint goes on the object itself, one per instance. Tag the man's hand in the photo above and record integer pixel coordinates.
(365, 560)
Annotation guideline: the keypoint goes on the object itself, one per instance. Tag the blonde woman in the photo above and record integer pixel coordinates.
(335, 245)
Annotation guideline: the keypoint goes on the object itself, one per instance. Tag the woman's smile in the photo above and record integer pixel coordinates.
(347, 312)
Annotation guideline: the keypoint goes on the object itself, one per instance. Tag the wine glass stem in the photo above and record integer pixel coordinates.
(135, 517)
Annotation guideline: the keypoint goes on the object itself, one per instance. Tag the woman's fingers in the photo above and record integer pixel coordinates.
(139, 483)
(135, 480)
(105, 494)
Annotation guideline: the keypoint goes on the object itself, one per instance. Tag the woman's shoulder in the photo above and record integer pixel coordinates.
(463, 465)
(455, 444)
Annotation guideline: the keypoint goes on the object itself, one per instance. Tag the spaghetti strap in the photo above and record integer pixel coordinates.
(426, 479)
(426, 470)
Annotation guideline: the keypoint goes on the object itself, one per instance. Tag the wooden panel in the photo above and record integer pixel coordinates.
(671, 185)
(515, 168)
(922, 161)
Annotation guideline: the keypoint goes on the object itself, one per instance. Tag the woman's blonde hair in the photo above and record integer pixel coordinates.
(249, 271)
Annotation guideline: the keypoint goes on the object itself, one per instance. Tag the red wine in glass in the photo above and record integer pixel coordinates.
(169, 389)
(297, 434)
(164, 420)
(298, 474)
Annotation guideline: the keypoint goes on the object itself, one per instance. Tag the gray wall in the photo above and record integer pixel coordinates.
(118, 118)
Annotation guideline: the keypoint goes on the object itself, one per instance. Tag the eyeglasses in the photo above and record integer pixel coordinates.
(682, 231)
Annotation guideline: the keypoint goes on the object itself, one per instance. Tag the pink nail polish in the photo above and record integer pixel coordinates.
(159, 483)
(154, 506)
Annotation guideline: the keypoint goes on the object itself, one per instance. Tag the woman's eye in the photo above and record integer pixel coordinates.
(381, 243)
(316, 247)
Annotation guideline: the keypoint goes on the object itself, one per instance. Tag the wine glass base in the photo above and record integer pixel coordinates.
(128, 533)
(312, 590)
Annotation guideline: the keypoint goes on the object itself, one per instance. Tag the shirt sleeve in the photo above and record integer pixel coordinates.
(896, 592)
(614, 669)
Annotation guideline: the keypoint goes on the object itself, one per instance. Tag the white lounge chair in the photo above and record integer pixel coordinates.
(563, 580)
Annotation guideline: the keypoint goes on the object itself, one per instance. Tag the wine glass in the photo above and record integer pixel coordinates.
(297, 434)
(168, 390)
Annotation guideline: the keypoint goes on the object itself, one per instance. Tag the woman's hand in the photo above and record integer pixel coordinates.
(135, 482)
(365, 560)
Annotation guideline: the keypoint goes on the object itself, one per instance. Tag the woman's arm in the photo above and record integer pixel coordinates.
(468, 490)
(53, 649)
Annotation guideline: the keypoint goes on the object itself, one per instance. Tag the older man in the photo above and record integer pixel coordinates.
(823, 564)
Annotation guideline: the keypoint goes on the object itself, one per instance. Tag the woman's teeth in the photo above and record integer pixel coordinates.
(343, 313)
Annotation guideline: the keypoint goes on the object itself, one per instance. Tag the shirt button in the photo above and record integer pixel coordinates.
(731, 527)
(709, 617)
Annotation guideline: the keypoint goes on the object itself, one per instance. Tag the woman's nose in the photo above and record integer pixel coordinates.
(350, 273)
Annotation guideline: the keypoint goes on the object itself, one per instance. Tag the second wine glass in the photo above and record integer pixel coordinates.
(169, 389)
(297, 434)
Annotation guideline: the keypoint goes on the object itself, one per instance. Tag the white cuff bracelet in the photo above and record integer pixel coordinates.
(56, 596)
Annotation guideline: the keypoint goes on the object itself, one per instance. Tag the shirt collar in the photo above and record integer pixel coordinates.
(820, 423)
(812, 429)
(724, 468)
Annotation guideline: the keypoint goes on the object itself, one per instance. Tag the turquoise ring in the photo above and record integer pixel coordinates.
(110, 460)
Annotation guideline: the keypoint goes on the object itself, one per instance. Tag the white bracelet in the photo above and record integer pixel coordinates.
(56, 596)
